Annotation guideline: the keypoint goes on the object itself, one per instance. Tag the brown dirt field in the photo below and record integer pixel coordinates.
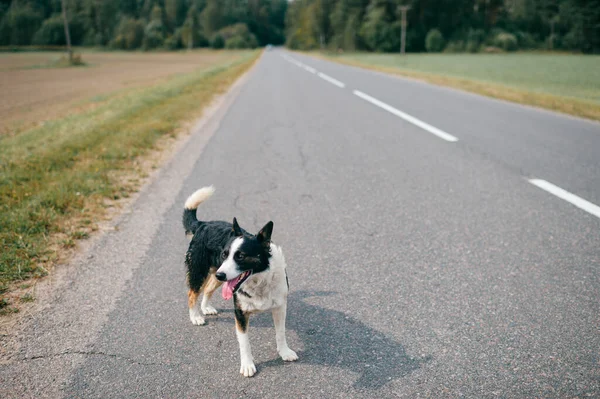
(32, 94)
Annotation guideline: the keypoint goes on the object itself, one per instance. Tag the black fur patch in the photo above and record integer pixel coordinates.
(190, 222)
(252, 255)
(204, 252)
(240, 317)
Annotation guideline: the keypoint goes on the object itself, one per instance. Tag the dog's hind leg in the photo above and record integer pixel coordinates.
(282, 347)
(209, 287)
(197, 274)
(195, 315)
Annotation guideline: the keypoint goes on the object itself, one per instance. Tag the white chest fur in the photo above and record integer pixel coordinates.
(266, 290)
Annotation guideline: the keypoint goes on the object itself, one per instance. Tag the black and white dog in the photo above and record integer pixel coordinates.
(252, 267)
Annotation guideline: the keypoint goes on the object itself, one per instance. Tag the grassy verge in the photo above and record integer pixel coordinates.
(55, 180)
(558, 82)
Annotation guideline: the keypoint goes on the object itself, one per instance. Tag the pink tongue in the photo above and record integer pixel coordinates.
(229, 286)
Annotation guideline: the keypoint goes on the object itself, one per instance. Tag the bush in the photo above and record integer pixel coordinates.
(64, 61)
(475, 38)
(506, 41)
(235, 42)
(574, 40)
(52, 32)
(554, 42)
(173, 42)
(294, 41)
(472, 47)
(92, 38)
(434, 41)
(455, 46)
(241, 35)
(192, 37)
(154, 36)
(129, 34)
(525, 40)
(153, 40)
(252, 42)
(217, 42)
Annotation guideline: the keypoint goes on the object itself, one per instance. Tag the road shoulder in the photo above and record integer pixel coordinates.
(74, 302)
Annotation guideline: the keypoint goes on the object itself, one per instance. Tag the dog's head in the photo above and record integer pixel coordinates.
(244, 256)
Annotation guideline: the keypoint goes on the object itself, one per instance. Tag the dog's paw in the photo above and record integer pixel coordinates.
(196, 319)
(288, 355)
(248, 369)
(207, 310)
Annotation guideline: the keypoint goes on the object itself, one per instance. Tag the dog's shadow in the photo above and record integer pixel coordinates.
(332, 338)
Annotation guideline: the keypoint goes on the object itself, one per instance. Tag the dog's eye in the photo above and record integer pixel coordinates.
(225, 254)
(238, 256)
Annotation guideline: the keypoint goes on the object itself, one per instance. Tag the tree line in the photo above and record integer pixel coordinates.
(368, 25)
(145, 24)
(445, 25)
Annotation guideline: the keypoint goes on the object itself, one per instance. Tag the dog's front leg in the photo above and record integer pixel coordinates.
(241, 328)
(282, 347)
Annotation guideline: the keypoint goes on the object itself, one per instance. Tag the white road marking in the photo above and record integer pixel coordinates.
(331, 80)
(313, 70)
(543, 184)
(292, 60)
(567, 196)
(411, 119)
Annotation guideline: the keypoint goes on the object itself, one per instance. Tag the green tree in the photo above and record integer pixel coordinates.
(175, 13)
(191, 35)
(19, 24)
(211, 18)
(434, 42)
(350, 37)
(378, 31)
(129, 8)
(52, 31)
(154, 33)
(129, 34)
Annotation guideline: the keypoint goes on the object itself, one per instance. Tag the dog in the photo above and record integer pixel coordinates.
(252, 268)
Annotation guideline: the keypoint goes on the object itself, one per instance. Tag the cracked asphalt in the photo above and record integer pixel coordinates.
(418, 267)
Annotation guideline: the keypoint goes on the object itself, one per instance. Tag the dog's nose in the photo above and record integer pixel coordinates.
(221, 276)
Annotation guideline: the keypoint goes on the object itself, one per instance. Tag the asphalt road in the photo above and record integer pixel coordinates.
(422, 260)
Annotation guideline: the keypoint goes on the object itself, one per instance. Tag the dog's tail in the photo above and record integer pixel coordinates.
(190, 221)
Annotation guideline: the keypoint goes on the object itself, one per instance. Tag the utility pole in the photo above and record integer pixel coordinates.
(403, 10)
(67, 34)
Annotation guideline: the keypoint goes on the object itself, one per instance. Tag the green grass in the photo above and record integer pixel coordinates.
(563, 82)
(56, 178)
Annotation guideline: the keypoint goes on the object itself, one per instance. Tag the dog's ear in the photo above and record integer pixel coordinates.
(236, 228)
(264, 235)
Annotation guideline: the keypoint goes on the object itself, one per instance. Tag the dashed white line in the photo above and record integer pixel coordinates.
(293, 61)
(313, 70)
(567, 196)
(411, 119)
(331, 80)
(543, 184)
